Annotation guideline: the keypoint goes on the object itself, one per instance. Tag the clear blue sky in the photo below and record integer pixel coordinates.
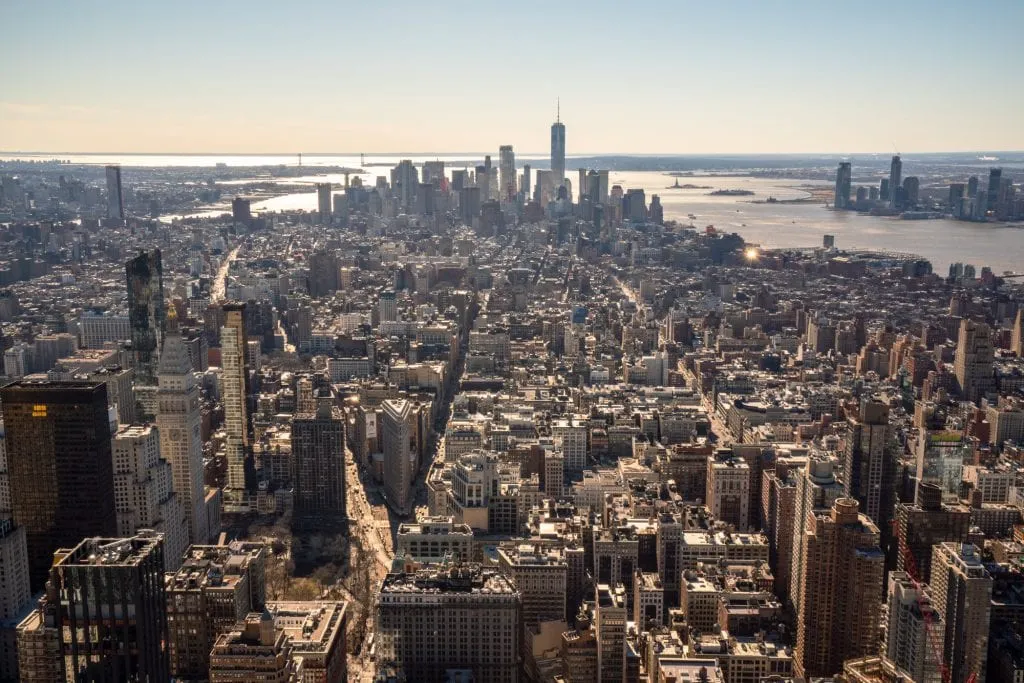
(673, 76)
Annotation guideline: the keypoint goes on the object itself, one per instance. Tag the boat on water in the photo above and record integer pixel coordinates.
(691, 216)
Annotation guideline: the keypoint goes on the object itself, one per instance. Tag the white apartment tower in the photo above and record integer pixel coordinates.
(143, 493)
(571, 437)
(232, 345)
(962, 591)
(908, 642)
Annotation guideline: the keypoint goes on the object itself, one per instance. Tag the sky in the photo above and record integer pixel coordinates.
(644, 77)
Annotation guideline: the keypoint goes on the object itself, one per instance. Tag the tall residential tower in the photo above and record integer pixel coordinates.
(233, 344)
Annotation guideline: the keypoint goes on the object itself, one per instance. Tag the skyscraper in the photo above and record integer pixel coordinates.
(843, 178)
(911, 190)
(921, 526)
(995, 176)
(610, 616)
(233, 344)
(388, 306)
(526, 184)
(324, 273)
(323, 202)
(915, 631)
(728, 491)
(974, 360)
(507, 173)
(869, 464)
(956, 195)
(592, 189)
(318, 454)
(602, 186)
(540, 576)
(143, 495)
(962, 591)
(147, 311)
(483, 183)
(14, 593)
(972, 186)
(895, 176)
(115, 194)
(398, 455)
(840, 586)
(469, 204)
(59, 465)
(179, 421)
(570, 438)
(1017, 337)
(817, 489)
(105, 604)
(404, 179)
(558, 151)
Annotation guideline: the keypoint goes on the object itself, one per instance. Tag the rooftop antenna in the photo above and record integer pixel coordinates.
(300, 158)
(558, 110)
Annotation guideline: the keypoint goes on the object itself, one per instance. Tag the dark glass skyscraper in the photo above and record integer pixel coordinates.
(843, 177)
(558, 152)
(147, 311)
(895, 178)
(115, 193)
(106, 601)
(995, 177)
(60, 466)
(318, 453)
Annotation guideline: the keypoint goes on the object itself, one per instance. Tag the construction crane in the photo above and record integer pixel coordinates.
(910, 562)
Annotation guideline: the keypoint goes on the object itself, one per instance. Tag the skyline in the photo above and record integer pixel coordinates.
(255, 78)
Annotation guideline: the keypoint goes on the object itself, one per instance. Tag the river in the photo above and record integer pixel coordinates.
(942, 241)
(781, 225)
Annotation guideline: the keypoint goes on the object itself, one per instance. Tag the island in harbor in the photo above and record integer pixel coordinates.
(731, 193)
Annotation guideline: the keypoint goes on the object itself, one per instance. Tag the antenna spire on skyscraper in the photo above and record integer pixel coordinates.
(558, 110)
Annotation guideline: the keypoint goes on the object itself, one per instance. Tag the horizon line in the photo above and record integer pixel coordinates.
(524, 154)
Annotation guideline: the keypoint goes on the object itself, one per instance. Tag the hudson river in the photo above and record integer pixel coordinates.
(997, 245)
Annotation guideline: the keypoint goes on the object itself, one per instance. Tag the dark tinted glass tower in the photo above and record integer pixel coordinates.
(318, 453)
(115, 193)
(558, 153)
(895, 179)
(59, 464)
(995, 176)
(147, 311)
(110, 593)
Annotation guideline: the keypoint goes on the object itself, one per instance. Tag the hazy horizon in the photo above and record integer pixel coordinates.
(732, 78)
(519, 154)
